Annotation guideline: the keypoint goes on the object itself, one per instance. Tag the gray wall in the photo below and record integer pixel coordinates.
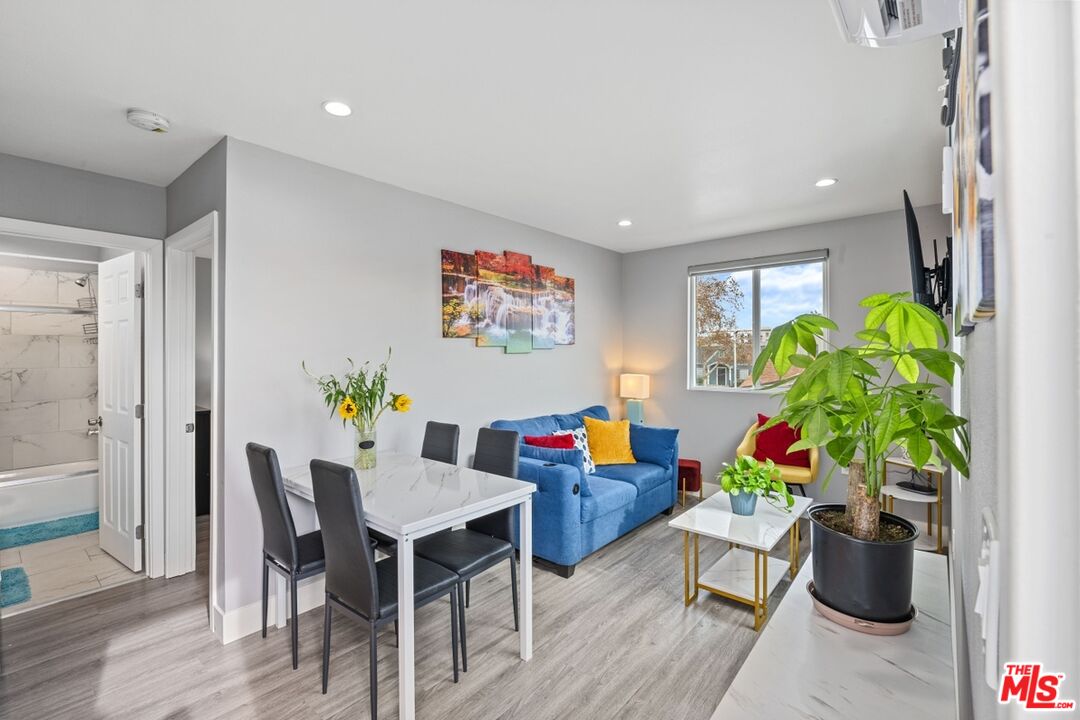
(979, 403)
(323, 265)
(33, 190)
(866, 255)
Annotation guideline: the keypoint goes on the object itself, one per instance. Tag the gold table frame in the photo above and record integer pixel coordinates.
(760, 601)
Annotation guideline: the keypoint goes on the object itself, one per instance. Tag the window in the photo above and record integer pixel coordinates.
(735, 305)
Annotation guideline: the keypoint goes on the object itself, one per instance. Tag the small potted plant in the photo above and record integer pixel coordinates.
(748, 479)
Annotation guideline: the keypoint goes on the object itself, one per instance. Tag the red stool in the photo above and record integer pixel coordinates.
(690, 479)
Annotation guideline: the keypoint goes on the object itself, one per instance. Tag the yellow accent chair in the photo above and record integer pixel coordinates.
(790, 474)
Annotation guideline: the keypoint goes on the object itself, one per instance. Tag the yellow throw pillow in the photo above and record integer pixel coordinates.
(609, 441)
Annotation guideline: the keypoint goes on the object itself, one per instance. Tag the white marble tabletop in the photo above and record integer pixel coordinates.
(405, 494)
(762, 530)
(805, 667)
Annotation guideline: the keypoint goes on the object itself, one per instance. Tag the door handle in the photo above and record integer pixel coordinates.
(94, 422)
(91, 432)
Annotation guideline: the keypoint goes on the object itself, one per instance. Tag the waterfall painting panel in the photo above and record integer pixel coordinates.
(564, 310)
(519, 286)
(460, 306)
(544, 316)
(493, 300)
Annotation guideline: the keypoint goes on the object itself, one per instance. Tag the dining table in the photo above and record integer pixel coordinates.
(408, 497)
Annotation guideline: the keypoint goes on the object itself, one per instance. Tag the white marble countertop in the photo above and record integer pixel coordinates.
(807, 668)
(762, 530)
(405, 494)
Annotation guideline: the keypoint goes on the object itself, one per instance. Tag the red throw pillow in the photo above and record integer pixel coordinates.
(558, 442)
(774, 442)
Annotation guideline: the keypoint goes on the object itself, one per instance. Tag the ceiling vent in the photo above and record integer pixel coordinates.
(149, 121)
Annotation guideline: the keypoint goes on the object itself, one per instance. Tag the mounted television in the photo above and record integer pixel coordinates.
(930, 286)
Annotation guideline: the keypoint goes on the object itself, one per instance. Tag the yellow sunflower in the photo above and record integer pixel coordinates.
(402, 403)
(347, 409)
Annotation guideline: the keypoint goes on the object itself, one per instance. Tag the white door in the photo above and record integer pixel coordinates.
(179, 410)
(119, 398)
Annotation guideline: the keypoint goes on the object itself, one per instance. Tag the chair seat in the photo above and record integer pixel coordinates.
(644, 476)
(465, 552)
(794, 474)
(429, 580)
(311, 556)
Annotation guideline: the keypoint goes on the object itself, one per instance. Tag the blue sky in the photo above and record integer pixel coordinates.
(786, 291)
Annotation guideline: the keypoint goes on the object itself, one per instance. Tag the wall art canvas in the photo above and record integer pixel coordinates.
(460, 306)
(504, 300)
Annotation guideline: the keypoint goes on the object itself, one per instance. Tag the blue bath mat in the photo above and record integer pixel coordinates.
(48, 530)
(14, 586)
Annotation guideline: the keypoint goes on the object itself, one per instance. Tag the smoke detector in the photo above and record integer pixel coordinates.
(149, 121)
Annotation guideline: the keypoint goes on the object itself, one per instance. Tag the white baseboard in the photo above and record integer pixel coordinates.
(244, 621)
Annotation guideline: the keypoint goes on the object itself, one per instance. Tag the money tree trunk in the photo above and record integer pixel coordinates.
(864, 512)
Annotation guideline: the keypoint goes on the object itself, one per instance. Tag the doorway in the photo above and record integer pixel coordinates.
(76, 467)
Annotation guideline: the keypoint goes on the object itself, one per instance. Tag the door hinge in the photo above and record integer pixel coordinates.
(138, 532)
(139, 411)
(189, 428)
(138, 290)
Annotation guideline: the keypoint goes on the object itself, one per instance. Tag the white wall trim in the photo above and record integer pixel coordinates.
(246, 620)
(153, 363)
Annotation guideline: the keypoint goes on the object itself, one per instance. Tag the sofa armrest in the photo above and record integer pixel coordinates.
(556, 509)
(656, 445)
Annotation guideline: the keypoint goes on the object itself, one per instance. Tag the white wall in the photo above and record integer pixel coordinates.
(322, 265)
(866, 255)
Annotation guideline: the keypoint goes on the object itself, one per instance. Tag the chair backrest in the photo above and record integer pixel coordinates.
(279, 532)
(350, 559)
(496, 453)
(441, 442)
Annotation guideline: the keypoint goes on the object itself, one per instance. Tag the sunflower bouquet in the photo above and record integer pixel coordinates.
(360, 397)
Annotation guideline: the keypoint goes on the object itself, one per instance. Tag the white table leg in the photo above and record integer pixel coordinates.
(525, 545)
(406, 666)
(281, 611)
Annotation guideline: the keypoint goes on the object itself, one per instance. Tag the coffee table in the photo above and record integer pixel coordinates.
(743, 573)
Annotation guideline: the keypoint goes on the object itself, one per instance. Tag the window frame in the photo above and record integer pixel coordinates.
(755, 265)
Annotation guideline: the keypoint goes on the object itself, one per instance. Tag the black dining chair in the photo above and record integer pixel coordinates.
(355, 582)
(283, 551)
(486, 541)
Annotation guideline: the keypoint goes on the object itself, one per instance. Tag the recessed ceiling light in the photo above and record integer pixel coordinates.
(337, 108)
(626, 223)
(826, 182)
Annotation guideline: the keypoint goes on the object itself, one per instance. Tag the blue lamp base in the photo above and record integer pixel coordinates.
(635, 411)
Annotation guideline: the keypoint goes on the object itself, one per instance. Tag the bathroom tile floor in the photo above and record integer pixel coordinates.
(64, 568)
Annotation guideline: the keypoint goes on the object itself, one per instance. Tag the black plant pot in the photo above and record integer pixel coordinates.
(863, 579)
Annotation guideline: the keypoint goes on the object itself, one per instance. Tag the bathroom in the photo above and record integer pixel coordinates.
(49, 483)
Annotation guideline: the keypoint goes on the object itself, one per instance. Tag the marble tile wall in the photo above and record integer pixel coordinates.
(48, 371)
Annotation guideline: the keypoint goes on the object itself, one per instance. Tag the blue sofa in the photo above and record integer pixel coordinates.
(575, 513)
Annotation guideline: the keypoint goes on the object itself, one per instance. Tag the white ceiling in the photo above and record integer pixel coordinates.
(696, 118)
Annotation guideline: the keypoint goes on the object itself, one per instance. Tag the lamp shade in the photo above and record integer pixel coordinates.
(635, 387)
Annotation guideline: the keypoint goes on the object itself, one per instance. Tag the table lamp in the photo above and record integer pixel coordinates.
(635, 389)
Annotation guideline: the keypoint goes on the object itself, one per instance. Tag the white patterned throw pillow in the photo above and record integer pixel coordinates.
(581, 442)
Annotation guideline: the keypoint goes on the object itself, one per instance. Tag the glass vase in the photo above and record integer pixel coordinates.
(364, 449)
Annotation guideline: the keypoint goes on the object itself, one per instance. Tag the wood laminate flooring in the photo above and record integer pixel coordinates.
(613, 641)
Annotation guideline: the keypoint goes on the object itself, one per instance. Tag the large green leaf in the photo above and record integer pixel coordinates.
(937, 362)
(816, 428)
(920, 333)
(907, 367)
(877, 315)
(919, 449)
(875, 300)
(840, 370)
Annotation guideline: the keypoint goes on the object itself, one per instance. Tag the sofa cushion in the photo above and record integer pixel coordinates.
(773, 444)
(581, 442)
(558, 442)
(644, 476)
(609, 441)
(542, 425)
(574, 458)
(654, 444)
(608, 496)
(572, 421)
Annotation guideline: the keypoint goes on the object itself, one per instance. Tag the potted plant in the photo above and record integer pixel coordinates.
(748, 479)
(359, 397)
(863, 402)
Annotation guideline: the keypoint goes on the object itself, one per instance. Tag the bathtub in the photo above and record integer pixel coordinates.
(48, 493)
